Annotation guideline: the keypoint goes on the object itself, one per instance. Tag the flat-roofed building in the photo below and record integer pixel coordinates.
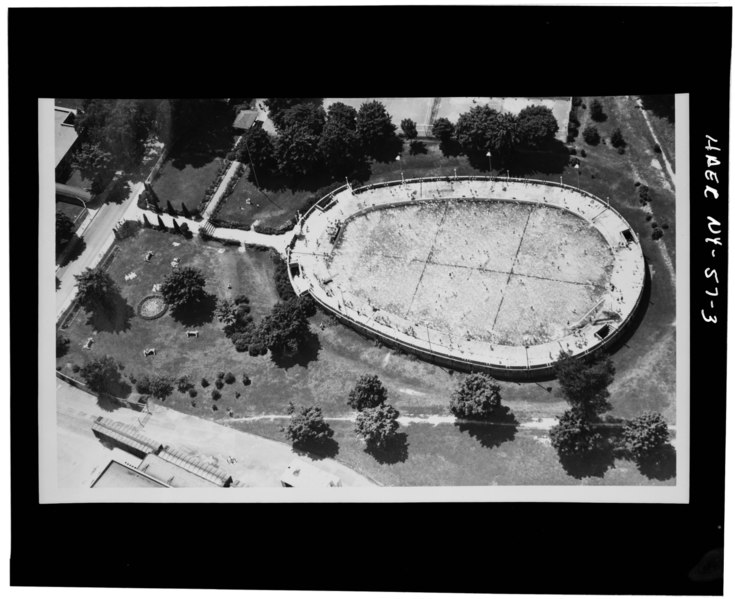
(117, 476)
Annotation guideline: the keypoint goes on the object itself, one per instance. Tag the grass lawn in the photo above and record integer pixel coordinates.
(195, 160)
(323, 375)
(270, 208)
(428, 455)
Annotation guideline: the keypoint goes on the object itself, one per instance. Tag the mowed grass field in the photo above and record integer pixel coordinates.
(270, 208)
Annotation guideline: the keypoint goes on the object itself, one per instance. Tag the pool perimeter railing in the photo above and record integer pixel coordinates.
(449, 358)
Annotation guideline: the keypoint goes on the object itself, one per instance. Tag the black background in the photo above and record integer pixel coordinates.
(393, 51)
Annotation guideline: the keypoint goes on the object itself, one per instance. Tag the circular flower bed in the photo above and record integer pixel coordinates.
(152, 307)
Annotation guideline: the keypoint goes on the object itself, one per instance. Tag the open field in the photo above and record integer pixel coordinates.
(497, 271)
(194, 161)
(270, 208)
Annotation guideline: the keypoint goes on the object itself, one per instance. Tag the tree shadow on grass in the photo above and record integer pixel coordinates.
(395, 451)
(194, 315)
(451, 148)
(491, 433)
(593, 463)
(73, 249)
(309, 352)
(552, 159)
(417, 147)
(661, 465)
(662, 106)
(318, 451)
(114, 319)
(391, 148)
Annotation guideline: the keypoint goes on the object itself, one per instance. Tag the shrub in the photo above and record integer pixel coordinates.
(75, 368)
(62, 344)
(245, 380)
(216, 394)
(583, 153)
(237, 395)
(205, 382)
(219, 384)
(649, 217)
(574, 435)
(616, 139)
(161, 387)
(220, 374)
(657, 148)
(229, 378)
(644, 193)
(183, 384)
(591, 135)
(645, 434)
(143, 386)
(657, 234)
(665, 226)
(377, 425)
(214, 407)
(596, 112)
(193, 404)
(307, 425)
(192, 392)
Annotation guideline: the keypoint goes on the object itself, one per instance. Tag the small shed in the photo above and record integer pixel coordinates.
(245, 119)
(307, 476)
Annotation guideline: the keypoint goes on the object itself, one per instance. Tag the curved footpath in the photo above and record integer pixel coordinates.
(259, 462)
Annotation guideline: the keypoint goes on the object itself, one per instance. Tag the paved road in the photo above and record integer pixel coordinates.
(259, 461)
(98, 237)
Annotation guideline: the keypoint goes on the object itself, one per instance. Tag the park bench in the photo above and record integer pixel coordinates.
(151, 351)
(192, 333)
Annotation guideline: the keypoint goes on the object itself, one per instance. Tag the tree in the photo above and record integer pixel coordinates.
(616, 139)
(307, 425)
(591, 135)
(573, 435)
(374, 128)
(101, 374)
(226, 312)
(161, 224)
(285, 329)
(177, 229)
(62, 344)
(184, 287)
(473, 128)
(368, 392)
(160, 387)
(377, 425)
(443, 129)
(503, 135)
(117, 127)
(476, 398)
(146, 222)
(95, 289)
(93, 162)
(170, 208)
(258, 149)
(596, 112)
(308, 116)
(339, 144)
(185, 211)
(297, 152)
(646, 434)
(64, 229)
(409, 129)
(278, 106)
(584, 382)
(537, 126)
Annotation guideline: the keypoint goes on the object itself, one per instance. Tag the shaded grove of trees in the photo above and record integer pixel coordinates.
(377, 421)
(663, 105)
(102, 375)
(586, 442)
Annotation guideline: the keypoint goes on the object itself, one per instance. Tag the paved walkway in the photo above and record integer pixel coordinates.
(259, 461)
(212, 205)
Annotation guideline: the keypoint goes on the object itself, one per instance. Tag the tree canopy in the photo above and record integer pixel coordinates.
(537, 126)
(476, 398)
(474, 127)
(160, 386)
(258, 149)
(591, 135)
(574, 435)
(443, 129)
(374, 128)
(101, 374)
(409, 129)
(95, 289)
(584, 382)
(368, 392)
(339, 144)
(64, 229)
(307, 425)
(596, 111)
(183, 287)
(94, 163)
(377, 425)
(285, 329)
(645, 434)
(277, 107)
